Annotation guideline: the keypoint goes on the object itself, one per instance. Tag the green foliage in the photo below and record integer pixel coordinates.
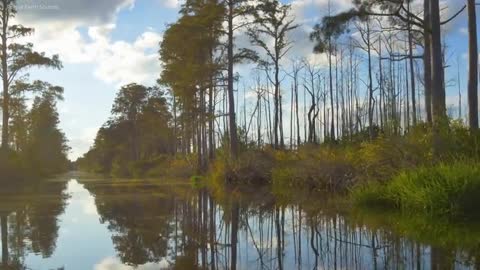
(185, 67)
(383, 157)
(11, 166)
(331, 28)
(271, 21)
(443, 189)
(459, 142)
(137, 137)
(46, 149)
(251, 167)
(32, 143)
(316, 168)
(197, 181)
(39, 147)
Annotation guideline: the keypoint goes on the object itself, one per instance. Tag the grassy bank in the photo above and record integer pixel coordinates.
(443, 189)
(400, 172)
(162, 166)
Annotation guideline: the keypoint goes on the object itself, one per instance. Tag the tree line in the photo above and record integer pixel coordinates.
(137, 135)
(31, 141)
(385, 72)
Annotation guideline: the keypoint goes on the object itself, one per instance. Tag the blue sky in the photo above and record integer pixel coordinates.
(108, 43)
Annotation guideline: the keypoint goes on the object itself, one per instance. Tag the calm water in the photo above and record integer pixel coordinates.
(78, 222)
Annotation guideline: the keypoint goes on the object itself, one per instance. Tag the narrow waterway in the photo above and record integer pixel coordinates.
(79, 222)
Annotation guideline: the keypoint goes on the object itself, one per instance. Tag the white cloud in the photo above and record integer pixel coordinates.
(114, 62)
(81, 144)
(83, 197)
(171, 3)
(111, 263)
(120, 62)
(464, 30)
(148, 40)
(117, 62)
(84, 12)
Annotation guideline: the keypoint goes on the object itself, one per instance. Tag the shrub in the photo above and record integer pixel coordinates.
(181, 167)
(384, 157)
(120, 168)
(251, 167)
(319, 168)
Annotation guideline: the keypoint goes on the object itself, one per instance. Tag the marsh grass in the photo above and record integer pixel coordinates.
(444, 190)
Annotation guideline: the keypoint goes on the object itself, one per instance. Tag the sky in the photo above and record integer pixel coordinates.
(105, 44)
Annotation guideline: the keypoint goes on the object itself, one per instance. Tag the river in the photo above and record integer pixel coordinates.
(80, 222)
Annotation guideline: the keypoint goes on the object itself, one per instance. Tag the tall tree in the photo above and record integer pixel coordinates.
(324, 35)
(272, 20)
(235, 9)
(473, 66)
(16, 59)
(46, 150)
(427, 61)
(439, 113)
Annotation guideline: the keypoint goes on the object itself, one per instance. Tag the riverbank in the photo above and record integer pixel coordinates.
(18, 167)
(399, 172)
(394, 172)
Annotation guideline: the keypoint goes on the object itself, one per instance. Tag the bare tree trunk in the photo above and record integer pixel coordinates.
(380, 70)
(231, 99)
(438, 93)
(459, 91)
(412, 72)
(407, 98)
(332, 124)
(292, 103)
(259, 118)
(278, 127)
(473, 67)
(212, 232)
(6, 94)
(427, 62)
(296, 110)
(305, 114)
(211, 122)
(282, 139)
(234, 235)
(370, 84)
(4, 229)
(336, 94)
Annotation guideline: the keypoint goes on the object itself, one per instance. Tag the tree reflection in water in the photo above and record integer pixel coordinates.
(187, 228)
(29, 220)
(175, 226)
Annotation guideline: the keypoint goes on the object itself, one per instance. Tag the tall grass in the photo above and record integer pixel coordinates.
(443, 189)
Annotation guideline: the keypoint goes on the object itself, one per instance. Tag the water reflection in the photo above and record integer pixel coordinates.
(184, 228)
(29, 220)
(126, 225)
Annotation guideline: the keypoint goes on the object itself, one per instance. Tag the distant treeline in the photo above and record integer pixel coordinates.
(138, 136)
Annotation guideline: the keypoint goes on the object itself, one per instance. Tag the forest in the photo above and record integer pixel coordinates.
(32, 144)
(370, 121)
